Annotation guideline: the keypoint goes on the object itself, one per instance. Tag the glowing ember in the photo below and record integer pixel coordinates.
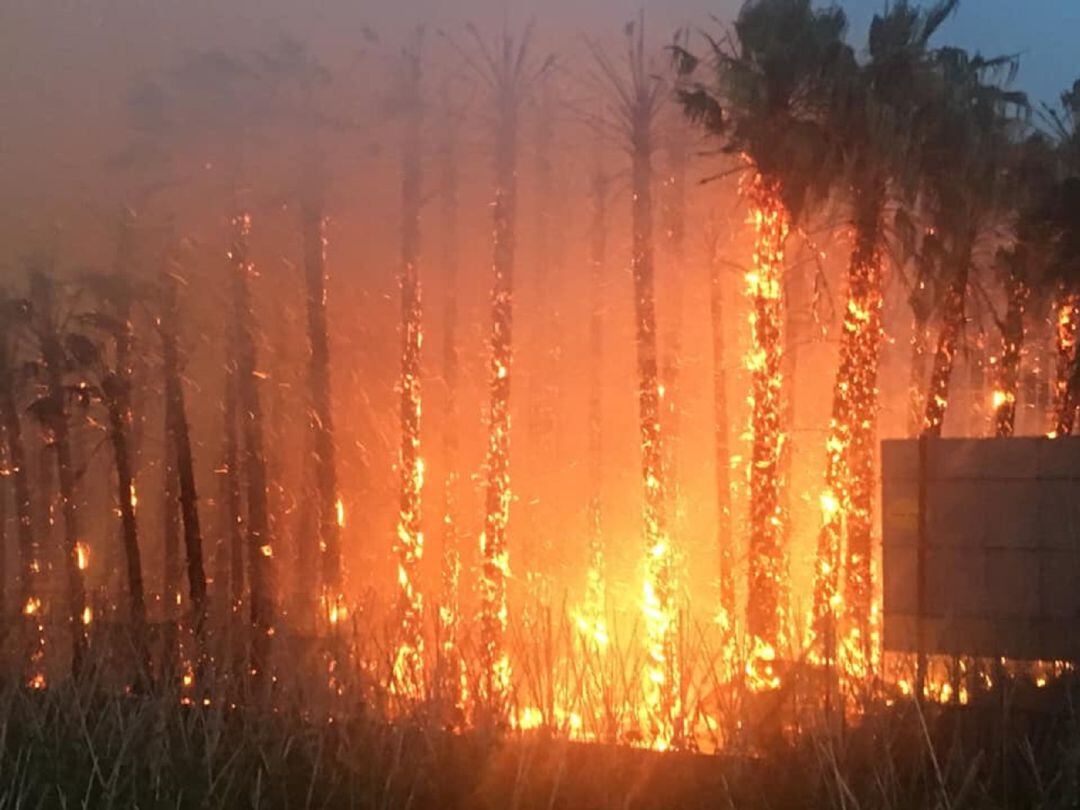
(82, 555)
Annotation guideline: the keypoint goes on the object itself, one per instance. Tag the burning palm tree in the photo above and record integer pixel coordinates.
(408, 675)
(509, 73)
(639, 98)
(52, 413)
(768, 100)
(13, 318)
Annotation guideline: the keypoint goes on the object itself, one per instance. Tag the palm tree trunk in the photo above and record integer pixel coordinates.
(662, 673)
(1012, 343)
(596, 583)
(171, 574)
(494, 665)
(30, 604)
(767, 593)
(675, 233)
(180, 436)
(259, 545)
(864, 314)
(321, 415)
(1065, 341)
(41, 291)
(449, 679)
(539, 556)
(408, 663)
(125, 493)
(952, 325)
(232, 495)
(724, 536)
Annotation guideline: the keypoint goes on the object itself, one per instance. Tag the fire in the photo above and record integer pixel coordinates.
(132, 496)
(760, 669)
(1065, 338)
(87, 615)
(339, 507)
(82, 555)
(768, 557)
(32, 606)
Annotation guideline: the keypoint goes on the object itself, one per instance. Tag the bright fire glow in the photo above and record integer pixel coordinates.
(82, 555)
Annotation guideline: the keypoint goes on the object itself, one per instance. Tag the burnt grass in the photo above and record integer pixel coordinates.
(82, 746)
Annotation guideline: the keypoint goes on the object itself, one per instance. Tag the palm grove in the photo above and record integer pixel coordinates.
(953, 197)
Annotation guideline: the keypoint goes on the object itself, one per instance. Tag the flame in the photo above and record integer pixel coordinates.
(339, 507)
(87, 615)
(768, 557)
(32, 606)
(82, 555)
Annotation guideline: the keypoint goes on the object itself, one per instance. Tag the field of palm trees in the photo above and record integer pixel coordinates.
(493, 419)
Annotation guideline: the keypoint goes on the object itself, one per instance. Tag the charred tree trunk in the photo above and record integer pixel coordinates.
(180, 453)
(662, 673)
(596, 593)
(449, 679)
(259, 546)
(724, 537)
(1012, 342)
(952, 327)
(56, 422)
(232, 495)
(1065, 342)
(321, 415)
(767, 592)
(865, 321)
(115, 389)
(494, 666)
(32, 641)
(675, 236)
(408, 662)
(171, 574)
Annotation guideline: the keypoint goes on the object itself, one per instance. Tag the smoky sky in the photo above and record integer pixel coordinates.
(43, 35)
(66, 63)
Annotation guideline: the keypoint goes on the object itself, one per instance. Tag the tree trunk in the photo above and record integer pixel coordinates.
(41, 291)
(724, 537)
(171, 574)
(494, 665)
(675, 236)
(767, 593)
(408, 660)
(662, 673)
(865, 314)
(596, 583)
(1065, 341)
(952, 326)
(30, 603)
(539, 556)
(321, 414)
(179, 436)
(116, 405)
(259, 545)
(1012, 343)
(449, 680)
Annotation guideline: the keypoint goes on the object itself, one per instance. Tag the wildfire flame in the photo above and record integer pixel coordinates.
(82, 555)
